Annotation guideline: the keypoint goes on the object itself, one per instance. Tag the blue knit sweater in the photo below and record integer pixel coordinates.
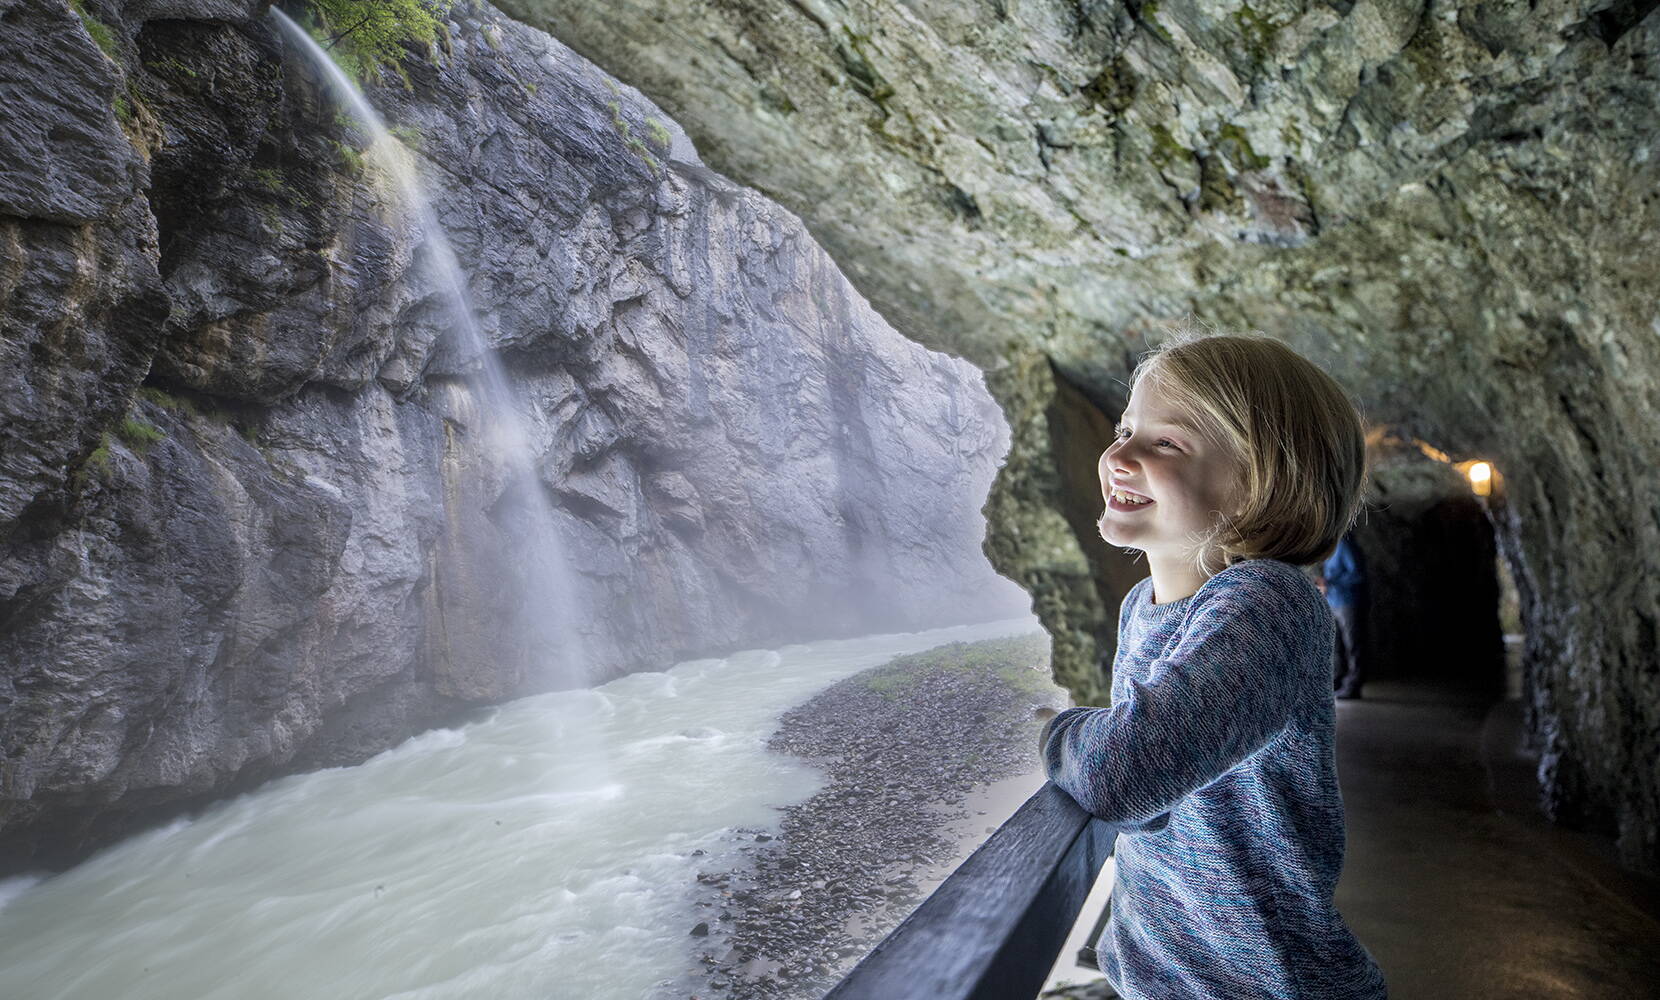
(1216, 762)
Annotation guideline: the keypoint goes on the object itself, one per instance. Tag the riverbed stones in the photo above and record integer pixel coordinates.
(901, 747)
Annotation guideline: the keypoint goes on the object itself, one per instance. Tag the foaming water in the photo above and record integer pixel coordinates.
(544, 852)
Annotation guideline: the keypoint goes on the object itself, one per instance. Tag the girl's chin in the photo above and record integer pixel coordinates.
(1101, 529)
(1122, 542)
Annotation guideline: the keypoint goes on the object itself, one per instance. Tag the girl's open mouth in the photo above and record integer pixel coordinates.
(1113, 503)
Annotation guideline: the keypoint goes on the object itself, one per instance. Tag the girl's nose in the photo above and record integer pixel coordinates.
(1112, 458)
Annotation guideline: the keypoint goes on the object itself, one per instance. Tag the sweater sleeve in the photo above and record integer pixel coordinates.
(1225, 691)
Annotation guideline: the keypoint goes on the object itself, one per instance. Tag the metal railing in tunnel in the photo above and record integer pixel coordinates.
(993, 929)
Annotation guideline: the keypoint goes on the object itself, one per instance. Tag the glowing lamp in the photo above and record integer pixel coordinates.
(1481, 479)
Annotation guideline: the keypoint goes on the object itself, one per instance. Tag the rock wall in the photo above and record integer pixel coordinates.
(247, 521)
(1450, 206)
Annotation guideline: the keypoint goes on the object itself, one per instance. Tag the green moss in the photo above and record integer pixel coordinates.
(638, 148)
(272, 216)
(407, 135)
(167, 401)
(1113, 88)
(1216, 192)
(659, 134)
(100, 457)
(1026, 679)
(618, 122)
(1291, 135)
(1149, 17)
(1233, 141)
(349, 156)
(1021, 663)
(1166, 150)
(100, 32)
(492, 37)
(1258, 33)
(138, 434)
(171, 66)
(96, 463)
(861, 73)
(632, 142)
(268, 178)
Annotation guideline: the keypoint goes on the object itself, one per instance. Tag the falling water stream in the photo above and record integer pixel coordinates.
(550, 623)
(543, 853)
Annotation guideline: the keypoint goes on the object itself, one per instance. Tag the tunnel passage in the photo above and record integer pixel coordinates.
(1432, 566)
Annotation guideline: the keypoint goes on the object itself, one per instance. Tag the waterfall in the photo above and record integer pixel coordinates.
(549, 621)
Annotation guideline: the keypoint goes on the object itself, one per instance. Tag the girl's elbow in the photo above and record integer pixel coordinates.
(1117, 813)
(1108, 804)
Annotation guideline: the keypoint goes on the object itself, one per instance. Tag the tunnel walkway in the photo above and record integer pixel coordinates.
(1454, 879)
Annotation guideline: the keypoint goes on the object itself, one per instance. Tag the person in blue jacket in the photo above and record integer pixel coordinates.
(1345, 587)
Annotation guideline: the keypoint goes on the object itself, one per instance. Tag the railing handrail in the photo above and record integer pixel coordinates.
(993, 929)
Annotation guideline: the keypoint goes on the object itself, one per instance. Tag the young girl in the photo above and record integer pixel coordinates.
(1237, 462)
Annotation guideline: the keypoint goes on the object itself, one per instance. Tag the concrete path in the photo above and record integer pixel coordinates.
(1454, 880)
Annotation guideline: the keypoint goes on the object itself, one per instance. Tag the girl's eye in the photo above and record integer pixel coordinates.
(1161, 442)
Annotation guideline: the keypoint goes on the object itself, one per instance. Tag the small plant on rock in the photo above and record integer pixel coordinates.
(139, 435)
(100, 32)
(368, 36)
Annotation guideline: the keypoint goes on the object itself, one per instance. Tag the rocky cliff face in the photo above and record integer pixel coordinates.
(247, 523)
(1450, 206)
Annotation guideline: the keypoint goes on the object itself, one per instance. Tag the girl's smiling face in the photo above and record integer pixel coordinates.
(1162, 455)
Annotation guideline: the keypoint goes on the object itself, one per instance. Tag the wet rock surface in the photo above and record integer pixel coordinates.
(902, 748)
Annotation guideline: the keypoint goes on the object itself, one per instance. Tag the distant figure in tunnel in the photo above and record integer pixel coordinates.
(1345, 588)
(1236, 464)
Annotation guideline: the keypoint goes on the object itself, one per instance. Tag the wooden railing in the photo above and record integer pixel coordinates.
(993, 929)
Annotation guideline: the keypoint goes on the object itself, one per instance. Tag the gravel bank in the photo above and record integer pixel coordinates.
(904, 748)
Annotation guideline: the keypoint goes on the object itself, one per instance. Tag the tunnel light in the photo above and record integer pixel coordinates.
(1481, 478)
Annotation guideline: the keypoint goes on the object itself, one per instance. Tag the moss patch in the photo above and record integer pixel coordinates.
(1232, 141)
(139, 435)
(101, 33)
(1021, 663)
(96, 463)
(1113, 89)
(659, 133)
(1258, 33)
(1166, 150)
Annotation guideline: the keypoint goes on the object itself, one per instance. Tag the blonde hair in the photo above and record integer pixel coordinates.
(1296, 437)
